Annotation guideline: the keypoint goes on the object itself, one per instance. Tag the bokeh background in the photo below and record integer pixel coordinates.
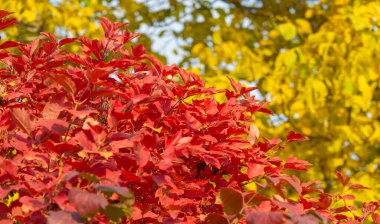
(317, 63)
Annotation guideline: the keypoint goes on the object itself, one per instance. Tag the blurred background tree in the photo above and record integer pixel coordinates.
(317, 62)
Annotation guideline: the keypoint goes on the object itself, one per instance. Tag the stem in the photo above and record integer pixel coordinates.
(60, 164)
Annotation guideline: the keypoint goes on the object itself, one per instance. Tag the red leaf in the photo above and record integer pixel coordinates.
(64, 217)
(8, 166)
(65, 81)
(235, 85)
(342, 178)
(107, 25)
(357, 187)
(211, 160)
(81, 114)
(138, 51)
(164, 180)
(50, 36)
(292, 137)
(142, 155)
(54, 125)
(295, 164)
(215, 218)
(86, 203)
(8, 44)
(340, 217)
(265, 218)
(67, 41)
(121, 191)
(184, 75)
(255, 170)
(4, 23)
(61, 148)
(348, 197)
(232, 201)
(294, 182)
(139, 98)
(296, 208)
(23, 119)
(94, 74)
(33, 46)
(253, 133)
(129, 177)
(4, 13)
(125, 143)
(30, 204)
(325, 201)
(376, 218)
(51, 110)
(343, 209)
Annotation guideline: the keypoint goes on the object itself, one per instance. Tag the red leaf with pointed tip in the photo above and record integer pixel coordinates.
(8, 44)
(253, 133)
(232, 201)
(107, 25)
(30, 204)
(54, 125)
(125, 143)
(4, 23)
(324, 201)
(139, 98)
(184, 75)
(129, 177)
(51, 110)
(375, 218)
(50, 36)
(235, 85)
(215, 218)
(142, 155)
(4, 13)
(122, 191)
(161, 180)
(357, 187)
(64, 217)
(22, 119)
(342, 178)
(65, 81)
(8, 166)
(265, 218)
(33, 46)
(255, 170)
(294, 182)
(65, 147)
(138, 51)
(348, 197)
(86, 203)
(94, 74)
(292, 137)
(294, 164)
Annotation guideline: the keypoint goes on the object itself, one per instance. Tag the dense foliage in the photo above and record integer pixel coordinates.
(111, 135)
(317, 62)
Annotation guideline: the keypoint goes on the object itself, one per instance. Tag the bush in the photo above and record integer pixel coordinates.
(111, 135)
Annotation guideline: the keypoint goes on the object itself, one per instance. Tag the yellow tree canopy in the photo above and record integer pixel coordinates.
(317, 62)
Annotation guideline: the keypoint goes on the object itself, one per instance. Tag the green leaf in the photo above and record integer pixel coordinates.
(114, 213)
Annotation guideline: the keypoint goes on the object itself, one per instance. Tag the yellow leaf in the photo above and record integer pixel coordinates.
(303, 26)
(288, 30)
(341, 2)
(360, 22)
(217, 37)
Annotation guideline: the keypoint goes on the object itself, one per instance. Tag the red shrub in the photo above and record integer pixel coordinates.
(149, 146)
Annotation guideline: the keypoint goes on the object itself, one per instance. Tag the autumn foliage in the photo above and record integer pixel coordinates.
(111, 135)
